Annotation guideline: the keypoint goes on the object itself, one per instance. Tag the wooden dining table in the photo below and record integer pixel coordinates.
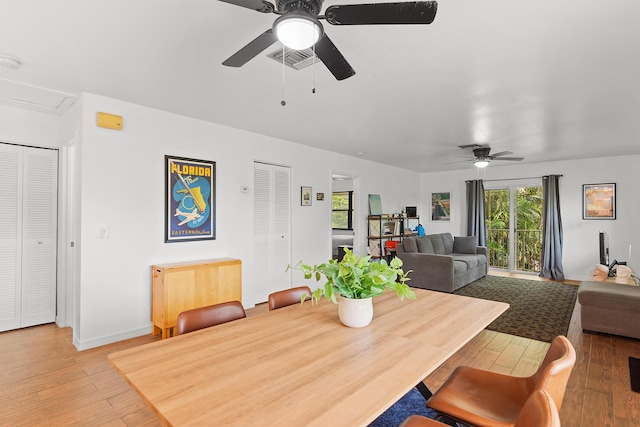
(299, 366)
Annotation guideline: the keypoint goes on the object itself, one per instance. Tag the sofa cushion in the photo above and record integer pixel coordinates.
(447, 241)
(459, 267)
(465, 245)
(436, 241)
(425, 246)
(472, 261)
(410, 244)
(612, 296)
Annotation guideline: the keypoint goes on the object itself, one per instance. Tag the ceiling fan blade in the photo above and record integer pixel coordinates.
(259, 5)
(251, 50)
(502, 153)
(460, 161)
(471, 146)
(333, 59)
(517, 159)
(415, 12)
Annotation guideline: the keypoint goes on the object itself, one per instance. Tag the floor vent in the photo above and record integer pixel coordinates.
(296, 59)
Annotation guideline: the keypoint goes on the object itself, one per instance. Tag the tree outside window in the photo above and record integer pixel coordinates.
(342, 210)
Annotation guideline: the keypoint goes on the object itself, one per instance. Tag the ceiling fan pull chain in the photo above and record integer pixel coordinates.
(283, 102)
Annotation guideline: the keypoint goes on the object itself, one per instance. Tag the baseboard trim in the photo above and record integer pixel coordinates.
(110, 339)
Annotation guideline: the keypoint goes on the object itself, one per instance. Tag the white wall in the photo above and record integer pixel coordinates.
(580, 251)
(122, 187)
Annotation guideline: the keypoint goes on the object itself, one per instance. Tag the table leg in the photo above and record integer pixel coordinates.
(424, 390)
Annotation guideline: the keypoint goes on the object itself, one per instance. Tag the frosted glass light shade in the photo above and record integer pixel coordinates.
(297, 32)
(482, 163)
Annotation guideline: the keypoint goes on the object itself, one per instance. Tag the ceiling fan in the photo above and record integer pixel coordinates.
(298, 27)
(481, 157)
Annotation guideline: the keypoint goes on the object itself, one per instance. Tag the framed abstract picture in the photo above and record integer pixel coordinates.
(598, 201)
(190, 190)
(440, 206)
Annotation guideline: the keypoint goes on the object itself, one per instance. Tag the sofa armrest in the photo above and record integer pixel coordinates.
(482, 250)
(428, 271)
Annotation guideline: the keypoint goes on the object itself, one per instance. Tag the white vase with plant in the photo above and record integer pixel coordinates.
(357, 277)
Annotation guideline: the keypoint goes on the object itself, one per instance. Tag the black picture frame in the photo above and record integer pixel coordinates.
(599, 201)
(190, 199)
(305, 196)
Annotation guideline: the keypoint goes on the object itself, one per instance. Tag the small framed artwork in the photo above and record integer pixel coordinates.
(320, 196)
(598, 201)
(190, 189)
(440, 206)
(375, 205)
(305, 196)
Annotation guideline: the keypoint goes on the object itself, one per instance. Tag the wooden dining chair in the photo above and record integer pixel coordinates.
(287, 297)
(538, 411)
(491, 399)
(203, 317)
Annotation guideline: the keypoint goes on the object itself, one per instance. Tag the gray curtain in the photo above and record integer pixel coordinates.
(476, 220)
(551, 229)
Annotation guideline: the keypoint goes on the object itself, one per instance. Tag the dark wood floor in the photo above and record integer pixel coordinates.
(45, 381)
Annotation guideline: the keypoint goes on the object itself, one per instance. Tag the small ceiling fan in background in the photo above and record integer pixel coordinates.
(482, 157)
(299, 27)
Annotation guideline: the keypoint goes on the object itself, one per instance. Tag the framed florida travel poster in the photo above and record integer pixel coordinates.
(190, 189)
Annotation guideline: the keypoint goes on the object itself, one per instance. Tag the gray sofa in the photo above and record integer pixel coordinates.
(612, 308)
(441, 262)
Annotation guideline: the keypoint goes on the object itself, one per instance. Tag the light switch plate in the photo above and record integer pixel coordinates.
(104, 231)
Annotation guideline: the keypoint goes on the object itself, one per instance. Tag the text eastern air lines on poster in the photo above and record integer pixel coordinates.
(191, 188)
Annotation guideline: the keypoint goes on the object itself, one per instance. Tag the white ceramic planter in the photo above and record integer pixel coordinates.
(355, 313)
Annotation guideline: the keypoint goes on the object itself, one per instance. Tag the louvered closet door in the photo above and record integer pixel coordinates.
(39, 236)
(10, 236)
(27, 236)
(272, 228)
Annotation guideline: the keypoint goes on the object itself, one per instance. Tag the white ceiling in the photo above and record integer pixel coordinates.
(547, 79)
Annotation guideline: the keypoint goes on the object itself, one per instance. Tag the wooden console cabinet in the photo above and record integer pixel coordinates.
(182, 286)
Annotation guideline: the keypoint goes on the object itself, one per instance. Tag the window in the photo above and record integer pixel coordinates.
(342, 210)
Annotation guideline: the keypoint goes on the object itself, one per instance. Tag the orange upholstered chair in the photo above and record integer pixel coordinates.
(287, 297)
(538, 411)
(484, 398)
(203, 317)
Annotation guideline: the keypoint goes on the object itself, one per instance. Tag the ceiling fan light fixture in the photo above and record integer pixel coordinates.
(297, 31)
(481, 163)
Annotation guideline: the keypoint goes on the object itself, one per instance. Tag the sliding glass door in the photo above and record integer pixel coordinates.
(514, 227)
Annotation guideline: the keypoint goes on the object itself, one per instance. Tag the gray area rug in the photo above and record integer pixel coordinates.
(538, 310)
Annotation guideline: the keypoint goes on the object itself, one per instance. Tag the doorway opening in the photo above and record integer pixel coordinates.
(343, 213)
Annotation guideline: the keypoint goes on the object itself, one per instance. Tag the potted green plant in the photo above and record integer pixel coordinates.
(357, 280)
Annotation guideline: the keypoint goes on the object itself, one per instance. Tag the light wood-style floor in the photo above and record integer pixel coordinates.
(45, 381)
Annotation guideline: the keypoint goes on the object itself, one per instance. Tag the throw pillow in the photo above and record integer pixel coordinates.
(465, 245)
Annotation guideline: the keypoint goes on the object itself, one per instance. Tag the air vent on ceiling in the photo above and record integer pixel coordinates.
(296, 59)
(18, 94)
